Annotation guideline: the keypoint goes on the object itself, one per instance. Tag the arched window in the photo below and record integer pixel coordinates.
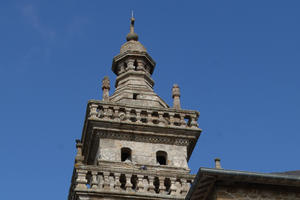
(161, 157)
(125, 154)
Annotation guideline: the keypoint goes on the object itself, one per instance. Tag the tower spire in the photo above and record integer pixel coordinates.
(132, 35)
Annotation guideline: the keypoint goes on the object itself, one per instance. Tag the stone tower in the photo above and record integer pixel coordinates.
(133, 145)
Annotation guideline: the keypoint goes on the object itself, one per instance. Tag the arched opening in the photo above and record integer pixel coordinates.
(125, 154)
(161, 157)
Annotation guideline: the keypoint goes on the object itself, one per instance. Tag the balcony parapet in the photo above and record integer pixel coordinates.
(163, 117)
(131, 182)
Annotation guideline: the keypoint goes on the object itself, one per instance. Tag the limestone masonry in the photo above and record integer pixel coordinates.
(135, 146)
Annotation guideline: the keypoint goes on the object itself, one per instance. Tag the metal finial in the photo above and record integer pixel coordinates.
(132, 35)
(132, 24)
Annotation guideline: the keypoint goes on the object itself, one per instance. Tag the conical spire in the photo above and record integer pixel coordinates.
(132, 35)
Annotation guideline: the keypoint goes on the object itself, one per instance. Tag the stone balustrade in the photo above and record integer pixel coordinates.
(133, 182)
(169, 117)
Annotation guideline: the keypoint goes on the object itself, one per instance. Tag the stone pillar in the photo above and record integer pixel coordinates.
(140, 65)
(185, 186)
(94, 183)
(128, 184)
(105, 88)
(140, 184)
(117, 181)
(93, 111)
(162, 187)
(176, 96)
(218, 163)
(100, 181)
(121, 68)
(194, 122)
(81, 180)
(151, 184)
(106, 184)
(160, 118)
(173, 187)
(79, 158)
(111, 182)
(130, 64)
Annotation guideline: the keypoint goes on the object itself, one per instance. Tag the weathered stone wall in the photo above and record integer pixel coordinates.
(142, 153)
(251, 192)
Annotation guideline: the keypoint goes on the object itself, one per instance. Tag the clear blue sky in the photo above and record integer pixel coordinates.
(237, 62)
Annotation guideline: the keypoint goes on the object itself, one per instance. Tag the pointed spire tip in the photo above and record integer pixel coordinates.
(132, 35)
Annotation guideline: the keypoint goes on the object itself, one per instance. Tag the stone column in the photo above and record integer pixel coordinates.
(194, 122)
(128, 184)
(140, 184)
(93, 111)
(100, 181)
(81, 180)
(94, 183)
(121, 68)
(106, 185)
(185, 187)
(117, 181)
(130, 64)
(176, 96)
(79, 158)
(105, 88)
(162, 187)
(160, 118)
(173, 187)
(151, 185)
(218, 163)
(140, 65)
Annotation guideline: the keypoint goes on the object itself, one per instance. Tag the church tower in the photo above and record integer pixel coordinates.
(133, 145)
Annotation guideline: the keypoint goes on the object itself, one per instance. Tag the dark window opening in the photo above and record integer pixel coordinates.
(135, 64)
(125, 154)
(161, 157)
(135, 96)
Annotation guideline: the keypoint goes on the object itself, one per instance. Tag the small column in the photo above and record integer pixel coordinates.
(140, 184)
(128, 184)
(81, 180)
(162, 187)
(94, 184)
(79, 158)
(106, 184)
(111, 182)
(117, 181)
(176, 96)
(173, 187)
(93, 111)
(185, 186)
(160, 118)
(100, 181)
(121, 68)
(130, 64)
(140, 65)
(218, 163)
(105, 88)
(151, 187)
(194, 122)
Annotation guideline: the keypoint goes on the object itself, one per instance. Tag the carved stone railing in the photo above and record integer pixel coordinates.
(99, 110)
(132, 182)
